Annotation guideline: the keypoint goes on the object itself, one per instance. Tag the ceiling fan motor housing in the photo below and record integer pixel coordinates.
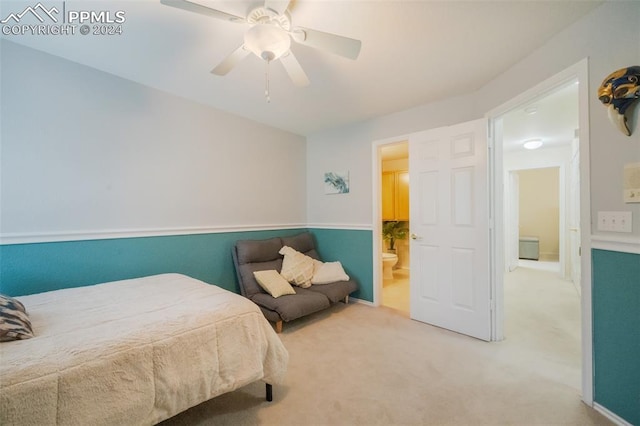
(262, 15)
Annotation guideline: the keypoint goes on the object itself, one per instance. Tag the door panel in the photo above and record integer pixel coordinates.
(463, 196)
(429, 272)
(462, 282)
(428, 198)
(449, 245)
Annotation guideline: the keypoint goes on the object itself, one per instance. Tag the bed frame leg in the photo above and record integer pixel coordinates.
(279, 326)
(269, 390)
(346, 300)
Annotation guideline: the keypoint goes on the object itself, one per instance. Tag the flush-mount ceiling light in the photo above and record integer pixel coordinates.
(532, 143)
(531, 110)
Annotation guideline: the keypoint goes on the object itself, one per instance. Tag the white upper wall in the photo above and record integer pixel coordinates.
(609, 37)
(350, 149)
(84, 151)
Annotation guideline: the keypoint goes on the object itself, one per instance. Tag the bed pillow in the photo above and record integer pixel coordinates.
(297, 268)
(14, 321)
(273, 283)
(329, 272)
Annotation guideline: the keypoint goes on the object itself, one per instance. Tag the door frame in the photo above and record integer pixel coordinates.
(579, 72)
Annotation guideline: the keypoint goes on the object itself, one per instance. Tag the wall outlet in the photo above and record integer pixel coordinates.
(615, 221)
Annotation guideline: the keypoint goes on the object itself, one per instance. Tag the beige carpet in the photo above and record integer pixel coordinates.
(358, 365)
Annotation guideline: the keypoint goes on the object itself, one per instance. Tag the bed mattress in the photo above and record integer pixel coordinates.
(134, 352)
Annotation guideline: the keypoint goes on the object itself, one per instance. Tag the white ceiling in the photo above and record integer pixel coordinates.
(553, 119)
(413, 52)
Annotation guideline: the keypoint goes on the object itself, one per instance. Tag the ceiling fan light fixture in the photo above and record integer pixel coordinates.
(532, 144)
(267, 41)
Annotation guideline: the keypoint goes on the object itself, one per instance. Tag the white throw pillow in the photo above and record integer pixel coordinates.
(329, 272)
(297, 268)
(273, 283)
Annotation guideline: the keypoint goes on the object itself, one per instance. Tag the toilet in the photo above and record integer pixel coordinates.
(389, 260)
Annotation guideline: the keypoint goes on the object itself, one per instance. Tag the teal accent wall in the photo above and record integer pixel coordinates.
(34, 268)
(353, 249)
(616, 332)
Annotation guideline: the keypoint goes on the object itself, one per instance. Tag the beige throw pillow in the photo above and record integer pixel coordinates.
(273, 283)
(297, 268)
(329, 272)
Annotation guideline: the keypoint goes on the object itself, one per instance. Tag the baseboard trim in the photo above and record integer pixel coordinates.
(616, 243)
(611, 416)
(50, 237)
(360, 301)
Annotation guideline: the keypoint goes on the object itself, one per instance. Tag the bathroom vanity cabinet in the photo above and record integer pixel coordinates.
(395, 195)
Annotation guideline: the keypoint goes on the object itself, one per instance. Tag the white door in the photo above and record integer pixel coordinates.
(512, 245)
(449, 282)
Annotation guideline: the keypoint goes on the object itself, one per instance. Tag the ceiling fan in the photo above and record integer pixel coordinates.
(269, 37)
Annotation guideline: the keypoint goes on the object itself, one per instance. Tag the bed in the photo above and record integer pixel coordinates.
(134, 352)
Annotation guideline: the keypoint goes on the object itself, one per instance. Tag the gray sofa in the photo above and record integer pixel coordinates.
(250, 256)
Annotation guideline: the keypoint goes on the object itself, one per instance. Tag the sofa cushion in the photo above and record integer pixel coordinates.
(302, 242)
(293, 306)
(337, 291)
(251, 251)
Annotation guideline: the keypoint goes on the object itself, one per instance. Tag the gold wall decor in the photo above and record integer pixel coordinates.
(618, 92)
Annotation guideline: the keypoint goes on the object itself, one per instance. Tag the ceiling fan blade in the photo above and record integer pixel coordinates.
(295, 71)
(279, 6)
(203, 10)
(343, 46)
(230, 61)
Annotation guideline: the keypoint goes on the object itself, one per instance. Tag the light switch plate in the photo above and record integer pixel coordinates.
(615, 221)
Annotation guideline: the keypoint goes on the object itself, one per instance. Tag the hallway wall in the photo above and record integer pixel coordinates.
(540, 209)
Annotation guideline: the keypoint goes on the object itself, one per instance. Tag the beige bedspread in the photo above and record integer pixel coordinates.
(133, 352)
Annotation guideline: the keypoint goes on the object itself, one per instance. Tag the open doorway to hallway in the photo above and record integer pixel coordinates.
(540, 163)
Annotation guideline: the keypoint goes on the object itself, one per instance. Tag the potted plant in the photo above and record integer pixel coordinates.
(393, 230)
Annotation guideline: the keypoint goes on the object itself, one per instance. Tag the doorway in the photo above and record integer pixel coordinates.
(574, 174)
(538, 289)
(394, 197)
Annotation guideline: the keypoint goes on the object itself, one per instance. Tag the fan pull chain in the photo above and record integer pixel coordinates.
(266, 83)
